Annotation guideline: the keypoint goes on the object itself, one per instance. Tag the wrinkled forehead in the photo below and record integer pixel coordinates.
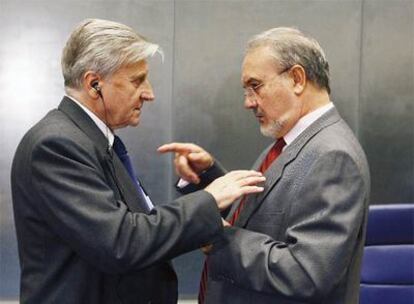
(258, 64)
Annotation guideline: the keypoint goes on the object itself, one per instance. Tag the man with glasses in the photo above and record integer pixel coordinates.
(301, 240)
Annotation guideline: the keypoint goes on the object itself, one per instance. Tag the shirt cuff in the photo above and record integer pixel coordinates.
(182, 183)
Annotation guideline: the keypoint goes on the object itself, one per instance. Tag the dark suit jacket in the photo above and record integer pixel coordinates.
(301, 240)
(82, 236)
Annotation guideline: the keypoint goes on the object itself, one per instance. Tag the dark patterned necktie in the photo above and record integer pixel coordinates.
(271, 156)
(122, 153)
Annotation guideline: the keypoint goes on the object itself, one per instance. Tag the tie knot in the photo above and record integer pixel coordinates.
(273, 153)
(119, 146)
(280, 144)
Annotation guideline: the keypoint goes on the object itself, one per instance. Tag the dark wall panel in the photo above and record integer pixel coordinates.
(387, 99)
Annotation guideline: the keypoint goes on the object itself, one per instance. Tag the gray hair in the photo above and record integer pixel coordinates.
(290, 46)
(104, 47)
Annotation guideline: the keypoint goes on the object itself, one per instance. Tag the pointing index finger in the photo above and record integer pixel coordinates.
(178, 147)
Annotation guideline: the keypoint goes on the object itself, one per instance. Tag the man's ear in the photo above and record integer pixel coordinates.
(298, 75)
(90, 82)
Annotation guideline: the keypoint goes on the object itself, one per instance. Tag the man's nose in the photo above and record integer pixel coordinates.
(148, 93)
(249, 102)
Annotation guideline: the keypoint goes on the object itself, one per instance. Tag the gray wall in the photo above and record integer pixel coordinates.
(369, 44)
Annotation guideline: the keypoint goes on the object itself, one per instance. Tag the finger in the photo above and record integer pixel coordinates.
(185, 170)
(245, 172)
(171, 147)
(201, 158)
(182, 166)
(179, 147)
(197, 156)
(177, 155)
(251, 180)
(240, 174)
(251, 190)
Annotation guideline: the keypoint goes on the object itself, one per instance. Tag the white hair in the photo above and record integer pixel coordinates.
(274, 127)
(290, 46)
(102, 46)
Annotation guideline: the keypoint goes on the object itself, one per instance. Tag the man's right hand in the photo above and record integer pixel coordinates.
(190, 160)
(234, 185)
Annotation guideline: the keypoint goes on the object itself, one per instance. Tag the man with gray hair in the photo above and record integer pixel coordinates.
(301, 240)
(87, 231)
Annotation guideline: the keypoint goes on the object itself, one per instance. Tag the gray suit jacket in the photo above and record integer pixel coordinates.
(301, 240)
(82, 234)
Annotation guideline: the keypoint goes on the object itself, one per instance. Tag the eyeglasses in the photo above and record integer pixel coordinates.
(252, 91)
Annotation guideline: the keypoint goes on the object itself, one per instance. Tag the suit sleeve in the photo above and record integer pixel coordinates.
(74, 198)
(323, 225)
(206, 178)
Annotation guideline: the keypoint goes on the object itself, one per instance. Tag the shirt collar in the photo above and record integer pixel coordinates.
(305, 122)
(100, 124)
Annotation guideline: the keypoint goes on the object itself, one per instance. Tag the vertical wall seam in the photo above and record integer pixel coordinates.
(361, 54)
(171, 131)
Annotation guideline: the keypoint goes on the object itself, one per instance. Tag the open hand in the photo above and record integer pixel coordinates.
(233, 185)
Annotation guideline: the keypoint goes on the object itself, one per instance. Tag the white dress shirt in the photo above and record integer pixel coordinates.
(110, 136)
(101, 125)
(304, 122)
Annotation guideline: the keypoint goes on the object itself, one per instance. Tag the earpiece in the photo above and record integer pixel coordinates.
(96, 87)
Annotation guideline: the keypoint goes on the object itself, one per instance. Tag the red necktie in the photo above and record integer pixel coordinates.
(271, 156)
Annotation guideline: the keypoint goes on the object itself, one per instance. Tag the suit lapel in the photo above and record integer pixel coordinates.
(275, 171)
(119, 174)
